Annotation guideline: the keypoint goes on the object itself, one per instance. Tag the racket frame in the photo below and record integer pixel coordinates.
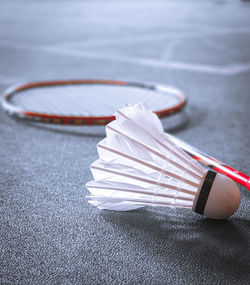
(83, 120)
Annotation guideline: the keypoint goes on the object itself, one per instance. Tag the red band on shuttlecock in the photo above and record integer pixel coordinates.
(204, 192)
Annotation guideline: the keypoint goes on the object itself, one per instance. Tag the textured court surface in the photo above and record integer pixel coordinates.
(49, 234)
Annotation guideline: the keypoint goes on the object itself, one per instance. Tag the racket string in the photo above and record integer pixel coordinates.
(88, 100)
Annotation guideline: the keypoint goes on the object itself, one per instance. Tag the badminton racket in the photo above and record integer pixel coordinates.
(87, 102)
(93, 102)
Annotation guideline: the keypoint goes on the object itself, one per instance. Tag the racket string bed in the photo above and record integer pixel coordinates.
(86, 102)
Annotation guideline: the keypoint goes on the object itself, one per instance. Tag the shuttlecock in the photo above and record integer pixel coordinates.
(139, 165)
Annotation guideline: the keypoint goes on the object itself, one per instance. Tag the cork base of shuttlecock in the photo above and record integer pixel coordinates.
(223, 199)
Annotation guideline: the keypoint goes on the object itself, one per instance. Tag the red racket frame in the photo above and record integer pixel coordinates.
(81, 120)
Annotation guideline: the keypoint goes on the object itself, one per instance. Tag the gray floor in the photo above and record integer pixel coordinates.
(49, 233)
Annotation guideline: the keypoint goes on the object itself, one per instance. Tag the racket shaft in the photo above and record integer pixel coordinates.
(211, 162)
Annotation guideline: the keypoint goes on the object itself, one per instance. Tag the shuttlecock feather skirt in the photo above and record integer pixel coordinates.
(139, 166)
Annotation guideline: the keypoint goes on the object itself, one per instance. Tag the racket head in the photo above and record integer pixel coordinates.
(87, 101)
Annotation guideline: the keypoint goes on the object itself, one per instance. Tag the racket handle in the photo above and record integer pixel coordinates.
(211, 162)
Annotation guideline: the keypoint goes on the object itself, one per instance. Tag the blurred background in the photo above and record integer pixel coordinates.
(49, 233)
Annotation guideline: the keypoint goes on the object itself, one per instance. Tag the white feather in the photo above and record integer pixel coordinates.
(140, 166)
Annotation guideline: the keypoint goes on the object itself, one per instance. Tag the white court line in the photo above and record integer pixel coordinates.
(160, 36)
(226, 70)
(131, 39)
